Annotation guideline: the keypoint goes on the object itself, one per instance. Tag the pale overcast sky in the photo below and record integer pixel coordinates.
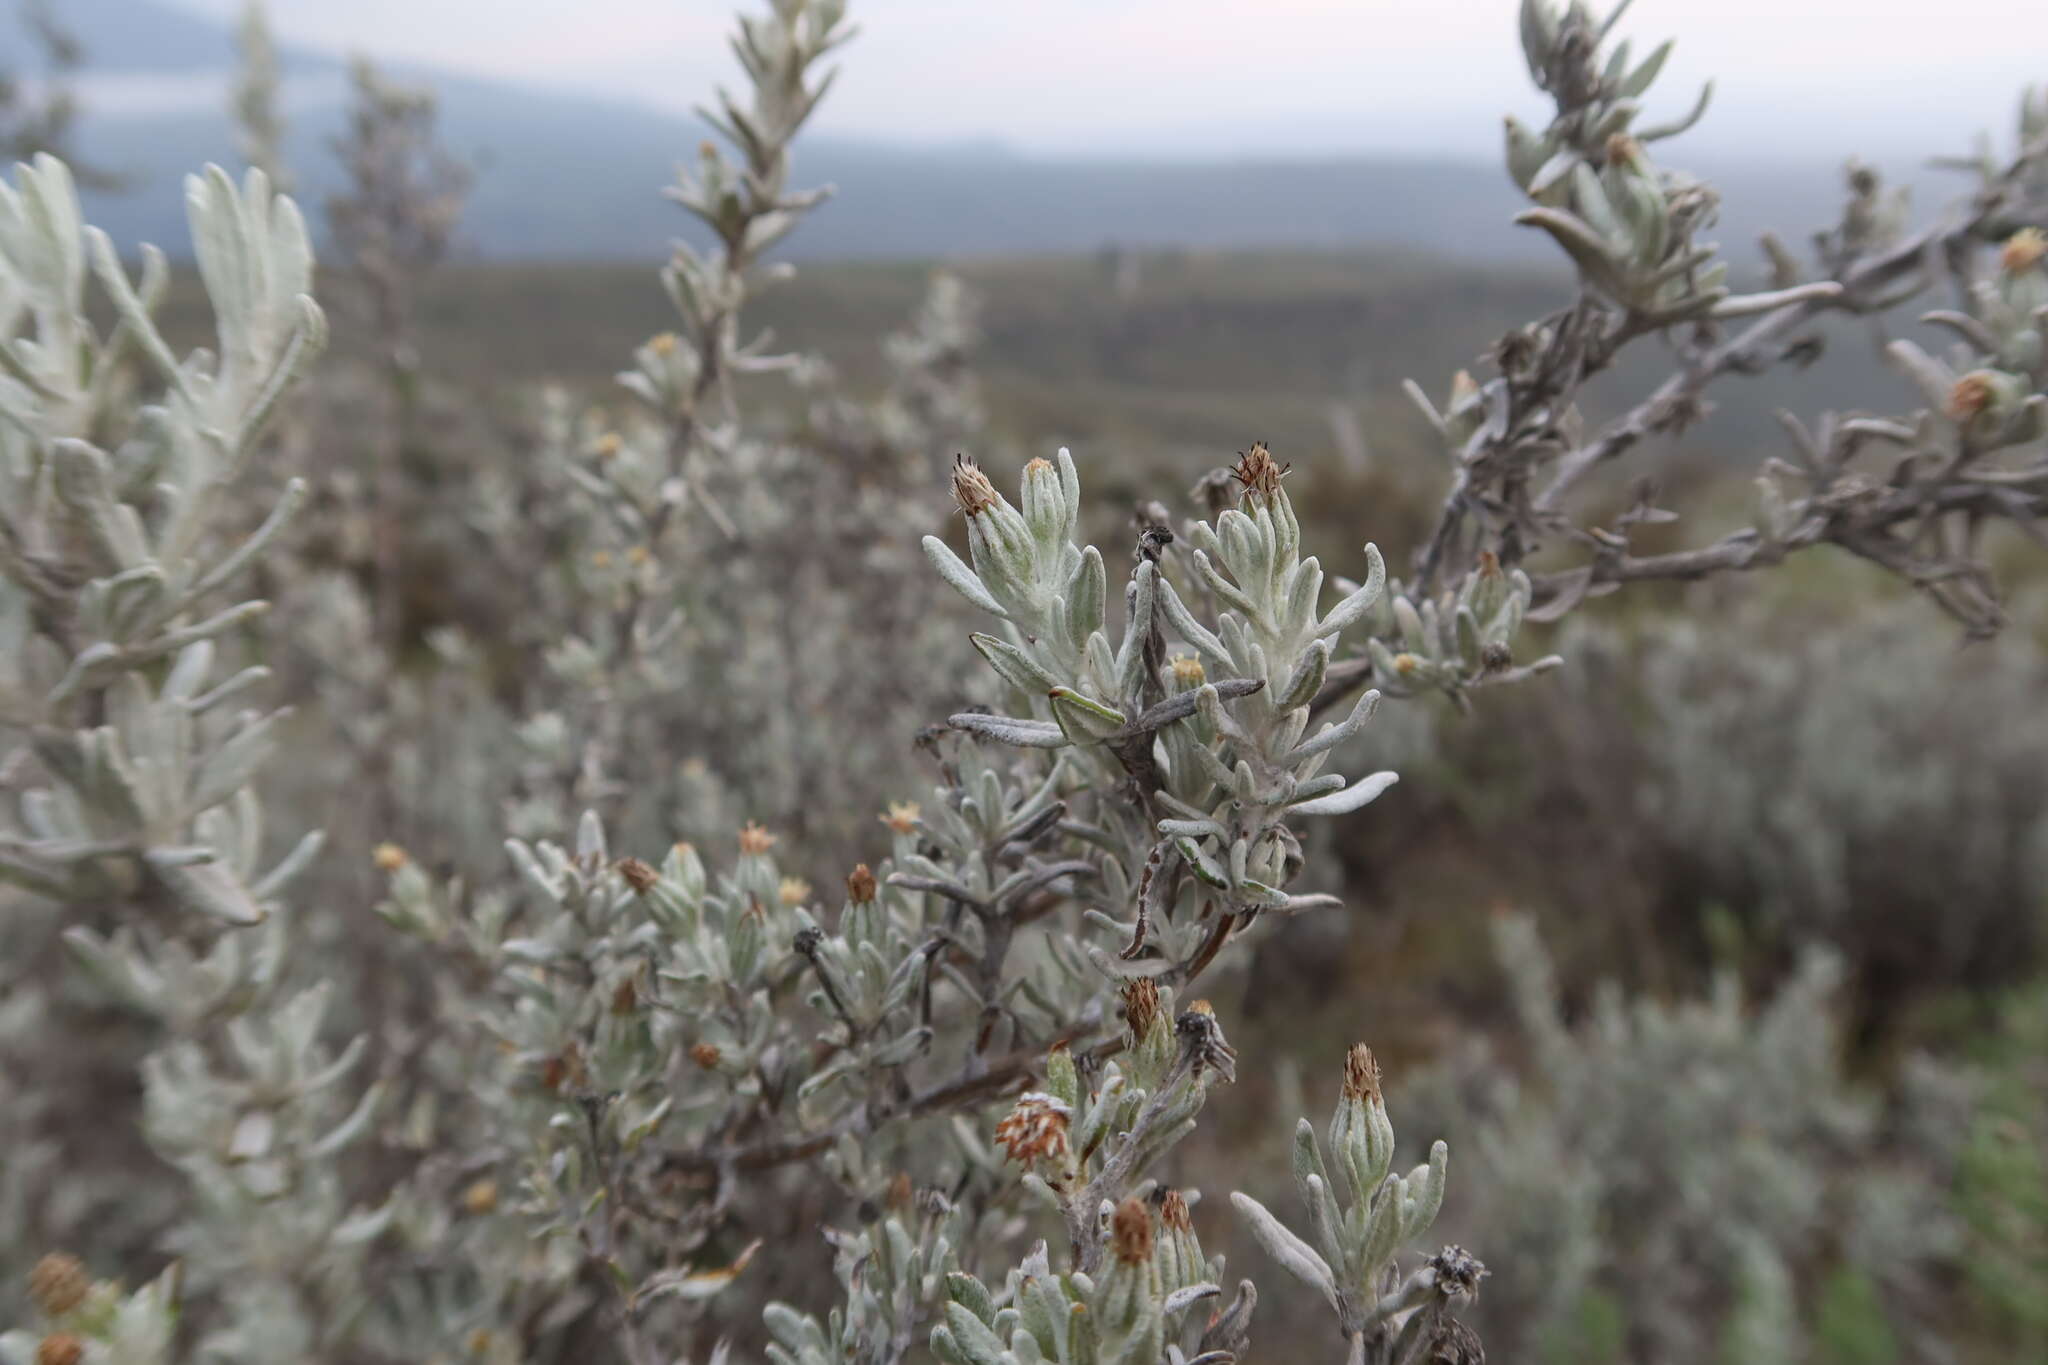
(1253, 77)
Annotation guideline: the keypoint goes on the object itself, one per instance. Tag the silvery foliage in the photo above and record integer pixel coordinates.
(1691, 1163)
(132, 786)
(1913, 494)
(108, 553)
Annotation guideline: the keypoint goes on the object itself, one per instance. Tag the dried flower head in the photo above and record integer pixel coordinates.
(1458, 1272)
(755, 838)
(58, 1283)
(1406, 663)
(902, 816)
(1035, 1130)
(1186, 671)
(663, 343)
(1130, 1232)
(1623, 150)
(971, 488)
(640, 876)
(1361, 1074)
(705, 1055)
(60, 1348)
(480, 1198)
(626, 996)
(2023, 250)
(608, 446)
(1173, 1211)
(1037, 465)
(793, 891)
(1971, 395)
(861, 886)
(1258, 472)
(389, 857)
(1141, 1005)
(1202, 1041)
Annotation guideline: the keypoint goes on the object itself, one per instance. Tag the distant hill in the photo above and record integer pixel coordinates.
(572, 177)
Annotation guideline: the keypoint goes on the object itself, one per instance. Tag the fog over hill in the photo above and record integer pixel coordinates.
(566, 176)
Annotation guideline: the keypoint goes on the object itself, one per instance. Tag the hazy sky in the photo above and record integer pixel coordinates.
(1230, 77)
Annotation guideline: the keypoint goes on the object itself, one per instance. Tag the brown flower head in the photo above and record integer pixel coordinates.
(755, 838)
(1130, 1232)
(58, 1283)
(705, 1055)
(1361, 1074)
(861, 886)
(1623, 150)
(1036, 1130)
(640, 876)
(2023, 250)
(1258, 472)
(1141, 1005)
(60, 1348)
(971, 488)
(481, 1197)
(626, 995)
(1173, 1212)
(388, 857)
(1971, 395)
(902, 816)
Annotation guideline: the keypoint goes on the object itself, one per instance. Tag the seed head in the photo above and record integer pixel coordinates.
(1130, 1232)
(755, 838)
(1258, 472)
(902, 816)
(705, 1055)
(971, 488)
(481, 1198)
(58, 1283)
(861, 886)
(388, 857)
(60, 1348)
(1361, 1074)
(2023, 250)
(640, 876)
(1036, 1130)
